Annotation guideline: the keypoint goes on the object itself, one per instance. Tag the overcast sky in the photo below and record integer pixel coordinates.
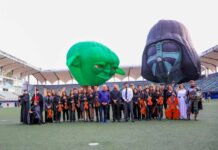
(41, 31)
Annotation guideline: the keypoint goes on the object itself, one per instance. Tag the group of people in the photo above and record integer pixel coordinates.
(129, 104)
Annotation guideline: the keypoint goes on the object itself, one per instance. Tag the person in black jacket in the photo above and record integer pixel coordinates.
(164, 93)
(141, 97)
(146, 95)
(116, 97)
(96, 102)
(64, 101)
(136, 109)
(56, 101)
(48, 99)
(24, 99)
(72, 106)
(77, 103)
(90, 98)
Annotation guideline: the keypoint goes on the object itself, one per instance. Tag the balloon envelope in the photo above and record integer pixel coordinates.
(169, 55)
(92, 63)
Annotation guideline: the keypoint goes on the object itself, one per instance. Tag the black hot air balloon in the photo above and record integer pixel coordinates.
(169, 55)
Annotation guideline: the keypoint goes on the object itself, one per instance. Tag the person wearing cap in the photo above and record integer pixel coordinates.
(127, 95)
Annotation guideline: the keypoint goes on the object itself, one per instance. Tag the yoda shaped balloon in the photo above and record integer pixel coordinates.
(169, 55)
(92, 63)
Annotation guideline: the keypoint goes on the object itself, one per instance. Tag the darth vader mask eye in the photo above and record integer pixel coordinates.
(151, 51)
(170, 46)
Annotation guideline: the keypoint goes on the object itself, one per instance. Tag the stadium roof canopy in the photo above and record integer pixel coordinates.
(209, 58)
(19, 68)
(15, 66)
(65, 76)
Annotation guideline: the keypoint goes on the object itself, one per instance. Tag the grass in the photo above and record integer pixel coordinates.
(144, 135)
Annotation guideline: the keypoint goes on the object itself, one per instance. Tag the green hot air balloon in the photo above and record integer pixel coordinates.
(92, 63)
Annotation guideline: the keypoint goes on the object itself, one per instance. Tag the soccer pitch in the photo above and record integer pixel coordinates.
(143, 135)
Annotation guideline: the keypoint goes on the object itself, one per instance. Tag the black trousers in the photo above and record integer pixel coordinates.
(108, 112)
(159, 112)
(136, 111)
(165, 104)
(116, 111)
(65, 113)
(78, 111)
(97, 114)
(46, 115)
(41, 112)
(72, 115)
(34, 120)
(122, 112)
(149, 112)
(58, 116)
(103, 113)
(54, 114)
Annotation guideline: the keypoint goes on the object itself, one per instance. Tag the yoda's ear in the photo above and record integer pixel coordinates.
(120, 71)
(74, 60)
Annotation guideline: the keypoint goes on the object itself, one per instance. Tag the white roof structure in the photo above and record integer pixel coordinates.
(53, 76)
(17, 68)
(65, 76)
(209, 58)
(21, 69)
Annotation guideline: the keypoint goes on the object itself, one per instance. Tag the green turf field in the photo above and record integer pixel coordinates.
(144, 135)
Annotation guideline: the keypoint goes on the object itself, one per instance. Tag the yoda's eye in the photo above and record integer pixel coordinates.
(113, 68)
(99, 66)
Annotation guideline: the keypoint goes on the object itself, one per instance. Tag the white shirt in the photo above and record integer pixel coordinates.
(129, 94)
(182, 93)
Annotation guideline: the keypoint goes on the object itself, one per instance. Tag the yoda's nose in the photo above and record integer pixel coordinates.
(161, 69)
(159, 59)
(107, 69)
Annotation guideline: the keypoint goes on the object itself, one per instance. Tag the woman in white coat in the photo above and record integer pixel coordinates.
(182, 96)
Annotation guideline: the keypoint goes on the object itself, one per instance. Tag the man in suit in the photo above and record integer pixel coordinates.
(127, 95)
(115, 95)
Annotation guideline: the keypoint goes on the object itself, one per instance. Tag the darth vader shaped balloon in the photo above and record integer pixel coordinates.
(169, 55)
